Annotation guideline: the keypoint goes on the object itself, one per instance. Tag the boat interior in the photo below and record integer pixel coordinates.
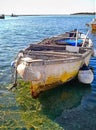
(49, 53)
(68, 38)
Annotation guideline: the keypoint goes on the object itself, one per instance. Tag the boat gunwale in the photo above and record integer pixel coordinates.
(50, 62)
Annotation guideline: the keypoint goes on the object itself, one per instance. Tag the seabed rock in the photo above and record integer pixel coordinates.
(82, 117)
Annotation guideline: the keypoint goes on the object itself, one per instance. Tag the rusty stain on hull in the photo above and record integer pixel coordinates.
(51, 82)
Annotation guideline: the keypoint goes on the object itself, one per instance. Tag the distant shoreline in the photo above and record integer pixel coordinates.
(84, 13)
(81, 13)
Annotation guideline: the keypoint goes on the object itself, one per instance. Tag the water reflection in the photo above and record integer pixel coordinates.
(81, 117)
(89, 102)
(84, 115)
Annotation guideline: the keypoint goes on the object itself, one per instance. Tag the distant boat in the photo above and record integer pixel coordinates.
(2, 16)
(53, 61)
(93, 25)
(14, 15)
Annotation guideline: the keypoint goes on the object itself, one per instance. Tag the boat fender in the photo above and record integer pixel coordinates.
(85, 75)
(13, 64)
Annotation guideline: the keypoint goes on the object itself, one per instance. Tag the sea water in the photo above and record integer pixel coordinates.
(18, 110)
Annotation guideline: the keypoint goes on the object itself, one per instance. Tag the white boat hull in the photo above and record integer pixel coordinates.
(47, 74)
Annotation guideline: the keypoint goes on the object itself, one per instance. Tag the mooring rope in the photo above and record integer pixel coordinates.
(15, 64)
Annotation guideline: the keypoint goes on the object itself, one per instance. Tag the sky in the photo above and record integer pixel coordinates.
(46, 6)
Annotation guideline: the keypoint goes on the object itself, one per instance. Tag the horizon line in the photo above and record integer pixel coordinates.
(48, 14)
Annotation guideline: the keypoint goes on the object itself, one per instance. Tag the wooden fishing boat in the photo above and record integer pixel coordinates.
(14, 15)
(51, 62)
(92, 25)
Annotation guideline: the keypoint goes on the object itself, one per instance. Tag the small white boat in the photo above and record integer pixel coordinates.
(52, 62)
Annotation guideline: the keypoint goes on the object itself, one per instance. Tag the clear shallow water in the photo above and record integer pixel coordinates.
(18, 108)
